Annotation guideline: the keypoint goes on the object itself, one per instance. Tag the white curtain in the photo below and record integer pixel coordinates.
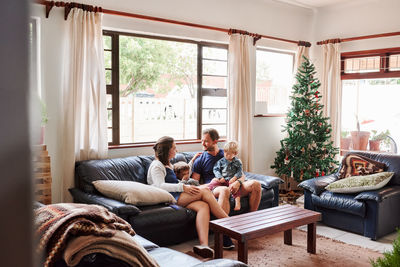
(241, 53)
(331, 88)
(84, 133)
(301, 51)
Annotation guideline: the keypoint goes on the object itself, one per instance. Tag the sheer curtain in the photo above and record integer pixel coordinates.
(241, 59)
(331, 88)
(84, 133)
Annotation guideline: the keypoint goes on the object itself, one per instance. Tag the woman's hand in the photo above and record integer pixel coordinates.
(191, 189)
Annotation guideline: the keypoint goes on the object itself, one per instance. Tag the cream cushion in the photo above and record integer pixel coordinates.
(356, 184)
(133, 192)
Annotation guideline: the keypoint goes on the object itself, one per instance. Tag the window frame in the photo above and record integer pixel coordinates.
(113, 88)
(384, 71)
(293, 54)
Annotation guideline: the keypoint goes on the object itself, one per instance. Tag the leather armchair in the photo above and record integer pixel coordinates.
(370, 213)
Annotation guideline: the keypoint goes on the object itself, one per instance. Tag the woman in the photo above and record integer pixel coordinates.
(201, 200)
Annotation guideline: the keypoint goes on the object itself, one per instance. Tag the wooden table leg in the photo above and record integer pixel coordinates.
(312, 238)
(287, 237)
(242, 251)
(218, 252)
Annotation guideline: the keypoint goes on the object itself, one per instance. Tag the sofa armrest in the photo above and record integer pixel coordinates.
(120, 208)
(317, 185)
(266, 181)
(380, 194)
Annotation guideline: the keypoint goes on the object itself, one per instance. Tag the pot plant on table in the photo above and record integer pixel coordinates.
(359, 139)
(377, 138)
(345, 140)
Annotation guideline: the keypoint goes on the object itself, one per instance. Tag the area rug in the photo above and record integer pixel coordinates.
(271, 251)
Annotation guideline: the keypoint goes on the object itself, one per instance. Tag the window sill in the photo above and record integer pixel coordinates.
(151, 144)
(268, 115)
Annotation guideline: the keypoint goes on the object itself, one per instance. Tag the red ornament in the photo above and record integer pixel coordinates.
(287, 158)
(322, 173)
(316, 174)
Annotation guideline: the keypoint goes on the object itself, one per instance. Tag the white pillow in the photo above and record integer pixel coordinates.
(133, 192)
(354, 184)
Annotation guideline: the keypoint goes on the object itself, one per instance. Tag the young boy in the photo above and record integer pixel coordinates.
(183, 171)
(228, 170)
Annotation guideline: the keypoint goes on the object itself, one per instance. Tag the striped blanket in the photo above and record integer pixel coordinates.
(56, 224)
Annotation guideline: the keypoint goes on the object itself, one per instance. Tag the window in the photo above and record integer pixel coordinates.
(34, 62)
(274, 77)
(160, 86)
(370, 92)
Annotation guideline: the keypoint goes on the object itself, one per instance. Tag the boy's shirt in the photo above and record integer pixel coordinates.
(228, 169)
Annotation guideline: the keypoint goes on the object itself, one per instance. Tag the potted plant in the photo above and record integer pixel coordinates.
(44, 120)
(375, 142)
(345, 140)
(359, 139)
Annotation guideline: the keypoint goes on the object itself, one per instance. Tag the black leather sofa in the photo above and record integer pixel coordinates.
(163, 224)
(370, 213)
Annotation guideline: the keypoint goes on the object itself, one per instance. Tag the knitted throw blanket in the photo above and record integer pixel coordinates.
(54, 224)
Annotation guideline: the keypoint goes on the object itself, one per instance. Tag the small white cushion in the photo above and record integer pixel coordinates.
(355, 184)
(133, 192)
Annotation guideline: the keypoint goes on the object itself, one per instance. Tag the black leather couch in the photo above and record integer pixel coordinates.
(370, 213)
(163, 224)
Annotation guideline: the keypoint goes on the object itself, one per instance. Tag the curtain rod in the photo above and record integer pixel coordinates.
(372, 36)
(50, 4)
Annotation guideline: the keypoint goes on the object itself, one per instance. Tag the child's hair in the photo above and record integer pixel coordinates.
(179, 168)
(231, 146)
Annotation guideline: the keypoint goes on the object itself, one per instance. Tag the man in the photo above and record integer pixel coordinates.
(203, 171)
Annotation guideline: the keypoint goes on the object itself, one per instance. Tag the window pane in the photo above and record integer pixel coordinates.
(107, 59)
(215, 67)
(109, 101)
(107, 42)
(362, 65)
(214, 115)
(214, 102)
(108, 77)
(109, 135)
(394, 62)
(274, 81)
(158, 89)
(214, 82)
(358, 96)
(109, 118)
(215, 53)
(220, 128)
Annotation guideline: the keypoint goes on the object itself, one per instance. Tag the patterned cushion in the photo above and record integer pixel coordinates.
(353, 165)
(355, 184)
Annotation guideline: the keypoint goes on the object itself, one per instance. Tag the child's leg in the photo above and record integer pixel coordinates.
(237, 203)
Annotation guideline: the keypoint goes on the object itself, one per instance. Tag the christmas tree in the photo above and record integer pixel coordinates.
(307, 151)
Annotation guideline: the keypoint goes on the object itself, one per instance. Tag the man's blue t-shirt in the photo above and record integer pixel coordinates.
(204, 165)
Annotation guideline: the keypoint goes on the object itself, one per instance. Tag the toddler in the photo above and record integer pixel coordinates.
(183, 170)
(228, 170)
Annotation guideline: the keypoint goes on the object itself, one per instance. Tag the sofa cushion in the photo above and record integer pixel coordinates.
(353, 165)
(133, 192)
(355, 184)
(120, 169)
(340, 202)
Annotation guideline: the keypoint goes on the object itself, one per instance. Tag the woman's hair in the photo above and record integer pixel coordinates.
(162, 147)
(232, 147)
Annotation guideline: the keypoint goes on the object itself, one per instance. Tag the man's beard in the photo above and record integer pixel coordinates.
(210, 149)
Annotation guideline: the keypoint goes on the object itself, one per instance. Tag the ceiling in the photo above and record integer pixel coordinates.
(312, 3)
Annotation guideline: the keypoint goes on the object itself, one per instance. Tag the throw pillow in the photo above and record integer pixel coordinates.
(356, 184)
(353, 165)
(133, 192)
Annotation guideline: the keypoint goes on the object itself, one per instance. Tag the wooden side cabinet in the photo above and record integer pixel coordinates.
(42, 174)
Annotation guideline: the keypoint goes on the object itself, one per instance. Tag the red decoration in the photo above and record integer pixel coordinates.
(322, 173)
(316, 174)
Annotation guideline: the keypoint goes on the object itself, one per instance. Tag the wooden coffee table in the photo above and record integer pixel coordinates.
(256, 224)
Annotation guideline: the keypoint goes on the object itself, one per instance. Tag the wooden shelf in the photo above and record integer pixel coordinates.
(42, 174)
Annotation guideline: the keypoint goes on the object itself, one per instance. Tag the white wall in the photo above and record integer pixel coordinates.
(261, 16)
